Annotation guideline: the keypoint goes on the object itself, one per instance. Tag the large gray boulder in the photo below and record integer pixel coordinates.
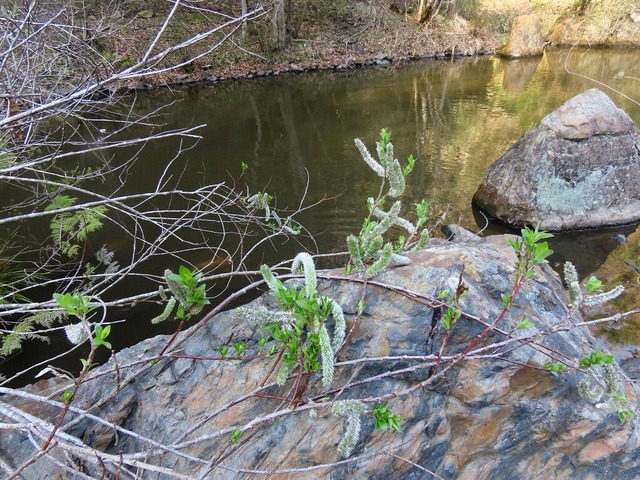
(498, 415)
(525, 39)
(578, 168)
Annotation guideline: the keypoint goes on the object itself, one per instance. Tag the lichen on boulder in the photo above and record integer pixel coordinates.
(578, 168)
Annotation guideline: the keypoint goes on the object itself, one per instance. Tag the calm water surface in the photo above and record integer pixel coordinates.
(456, 117)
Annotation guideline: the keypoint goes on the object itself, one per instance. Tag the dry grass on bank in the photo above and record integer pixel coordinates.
(328, 32)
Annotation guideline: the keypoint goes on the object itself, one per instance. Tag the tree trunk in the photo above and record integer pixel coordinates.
(423, 10)
(243, 3)
(427, 9)
(279, 26)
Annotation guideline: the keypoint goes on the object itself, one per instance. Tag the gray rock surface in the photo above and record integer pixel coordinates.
(497, 417)
(578, 168)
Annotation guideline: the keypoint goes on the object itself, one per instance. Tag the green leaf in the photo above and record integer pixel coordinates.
(67, 228)
(235, 436)
(524, 324)
(261, 343)
(593, 285)
(555, 367)
(444, 294)
(385, 418)
(100, 336)
(620, 398)
(541, 252)
(596, 358)
(240, 348)
(506, 300)
(86, 366)
(516, 244)
(74, 304)
(408, 167)
(625, 415)
(67, 396)
(450, 316)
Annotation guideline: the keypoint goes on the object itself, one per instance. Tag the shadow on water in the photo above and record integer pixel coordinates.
(296, 134)
(586, 249)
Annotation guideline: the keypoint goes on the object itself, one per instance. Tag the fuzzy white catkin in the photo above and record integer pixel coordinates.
(344, 407)
(603, 297)
(591, 393)
(305, 261)
(269, 278)
(368, 159)
(327, 356)
(351, 409)
(571, 279)
(75, 333)
(340, 325)
(350, 437)
(396, 179)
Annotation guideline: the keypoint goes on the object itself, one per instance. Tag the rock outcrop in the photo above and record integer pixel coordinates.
(605, 25)
(525, 39)
(578, 168)
(497, 414)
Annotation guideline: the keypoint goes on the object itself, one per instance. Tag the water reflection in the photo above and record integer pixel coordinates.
(455, 116)
(518, 72)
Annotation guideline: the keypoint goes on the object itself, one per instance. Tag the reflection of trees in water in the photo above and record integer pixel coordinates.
(518, 72)
(443, 100)
(456, 117)
(294, 154)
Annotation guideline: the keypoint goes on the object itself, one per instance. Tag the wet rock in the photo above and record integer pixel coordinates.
(565, 30)
(578, 168)
(456, 233)
(525, 39)
(488, 418)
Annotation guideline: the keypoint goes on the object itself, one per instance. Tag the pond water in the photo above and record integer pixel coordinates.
(295, 134)
(455, 116)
